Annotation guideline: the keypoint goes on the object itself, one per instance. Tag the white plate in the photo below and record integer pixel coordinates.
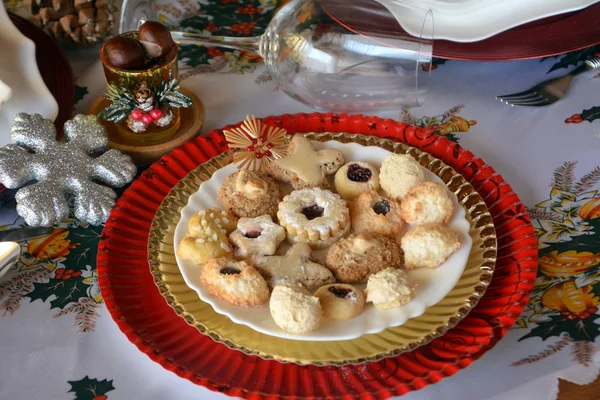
(19, 70)
(432, 285)
(474, 20)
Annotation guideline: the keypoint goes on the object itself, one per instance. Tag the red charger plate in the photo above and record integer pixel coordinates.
(152, 325)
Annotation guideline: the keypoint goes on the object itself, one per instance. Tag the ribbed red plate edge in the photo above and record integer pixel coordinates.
(146, 319)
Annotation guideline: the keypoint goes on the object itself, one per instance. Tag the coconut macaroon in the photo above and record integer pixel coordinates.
(294, 310)
(389, 288)
(427, 203)
(428, 246)
(399, 173)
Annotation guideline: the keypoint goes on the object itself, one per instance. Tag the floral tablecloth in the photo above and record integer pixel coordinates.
(57, 340)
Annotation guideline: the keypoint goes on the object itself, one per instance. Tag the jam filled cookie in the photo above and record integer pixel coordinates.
(341, 301)
(355, 258)
(294, 310)
(427, 203)
(428, 246)
(256, 236)
(250, 194)
(373, 213)
(295, 267)
(355, 178)
(235, 282)
(205, 223)
(305, 167)
(389, 288)
(399, 173)
(314, 216)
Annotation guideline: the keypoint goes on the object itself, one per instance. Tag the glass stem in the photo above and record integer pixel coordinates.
(239, 43)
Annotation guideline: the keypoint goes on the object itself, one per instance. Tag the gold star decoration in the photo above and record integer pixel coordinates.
(256, 143)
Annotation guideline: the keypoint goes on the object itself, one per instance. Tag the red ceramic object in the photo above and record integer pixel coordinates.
(54, 67)
(145, 318)
(543, 38)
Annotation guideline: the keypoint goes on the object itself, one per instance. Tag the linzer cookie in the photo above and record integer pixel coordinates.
(256, 236)
(314, 216)
(305, 167)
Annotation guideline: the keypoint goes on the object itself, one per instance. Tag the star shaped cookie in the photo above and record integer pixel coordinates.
(304, 166)
(294, 266)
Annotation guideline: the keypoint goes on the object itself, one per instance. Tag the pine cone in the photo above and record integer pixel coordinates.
(83, 22)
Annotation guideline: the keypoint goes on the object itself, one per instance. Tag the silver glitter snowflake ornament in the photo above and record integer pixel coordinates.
(62, 169)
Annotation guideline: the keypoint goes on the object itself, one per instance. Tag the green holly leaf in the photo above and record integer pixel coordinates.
(591, 114)
(80, 92)
(578, 329)
(579, 243)
(65, 291)
(573, 58)
(85, 254)
(90, 389)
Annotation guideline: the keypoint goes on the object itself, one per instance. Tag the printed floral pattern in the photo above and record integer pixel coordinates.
(58, 268)
(219, 18)
(446, 124)
(564, 302)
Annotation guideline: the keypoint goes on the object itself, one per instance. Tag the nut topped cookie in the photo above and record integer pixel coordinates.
(355, 258)
(250, 194)
(304, 166)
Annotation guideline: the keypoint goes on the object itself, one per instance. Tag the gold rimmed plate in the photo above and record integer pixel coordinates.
(392, 341)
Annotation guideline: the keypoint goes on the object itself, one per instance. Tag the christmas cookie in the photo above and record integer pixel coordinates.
(256, 236)
(235, 282)
(399, 173)
(295, 310)
(389, 288)
(355, 258)
(428, 246)
(314, 216)
(207, 236)
(341, 301)
(305, 167)
(202, 249)
(295, 267)
(427, 203)
(355, 178)
(205, 223)
(373, 213)
(250, 194)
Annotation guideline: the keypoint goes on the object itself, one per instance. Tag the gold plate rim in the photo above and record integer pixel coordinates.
(166, 218)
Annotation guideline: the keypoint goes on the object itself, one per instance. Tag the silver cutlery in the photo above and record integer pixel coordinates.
(551, 90)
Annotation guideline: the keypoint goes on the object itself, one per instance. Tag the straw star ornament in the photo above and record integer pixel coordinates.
(256, 142)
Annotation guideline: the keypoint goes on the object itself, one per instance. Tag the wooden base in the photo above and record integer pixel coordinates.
(144, 154)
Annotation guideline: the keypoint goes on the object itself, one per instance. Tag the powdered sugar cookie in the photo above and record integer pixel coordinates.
(256, 236)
